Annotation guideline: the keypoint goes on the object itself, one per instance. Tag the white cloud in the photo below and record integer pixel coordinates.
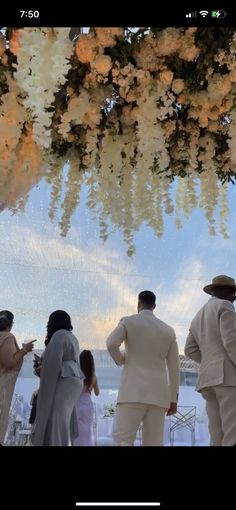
(43, 272)
(183, 298)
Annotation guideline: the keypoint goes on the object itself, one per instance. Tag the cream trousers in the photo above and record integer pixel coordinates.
(221, 411)
(128, 419)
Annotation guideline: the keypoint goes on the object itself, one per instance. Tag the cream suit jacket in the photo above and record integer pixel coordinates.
(151, 362)
(212, 343)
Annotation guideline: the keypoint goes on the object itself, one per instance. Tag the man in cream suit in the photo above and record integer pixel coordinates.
(150, 377)
(212, 343)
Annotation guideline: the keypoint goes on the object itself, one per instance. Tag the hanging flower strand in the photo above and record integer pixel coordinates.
(133, 109)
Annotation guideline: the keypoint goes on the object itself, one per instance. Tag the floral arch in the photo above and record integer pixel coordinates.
(129, 111)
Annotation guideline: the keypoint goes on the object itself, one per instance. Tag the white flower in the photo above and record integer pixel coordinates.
(109, 410)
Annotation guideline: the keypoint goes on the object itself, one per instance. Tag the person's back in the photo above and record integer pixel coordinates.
(60, 382)
(150, 377)
(145, 371)
(84, 410)
(146, 325)
(217, 364)
(206, 320)
(212, 343)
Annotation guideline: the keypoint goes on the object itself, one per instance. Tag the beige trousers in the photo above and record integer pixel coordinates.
(128, 419)
(221, 411)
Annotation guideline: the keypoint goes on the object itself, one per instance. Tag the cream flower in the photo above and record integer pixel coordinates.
(213, 127)
(169, 128)
(14, 43)
(189, 54)
(93, 116)
(86, 48)
(103, 64)
(128, 115)
(168, 42)
(131, 96)
(107, 36)
(145, 55)
(166, 77)
(232, 75)
(219, 86)
(90, 81)
(178, 85)
(2, 45)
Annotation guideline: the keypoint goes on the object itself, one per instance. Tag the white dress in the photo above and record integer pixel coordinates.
(84, 419)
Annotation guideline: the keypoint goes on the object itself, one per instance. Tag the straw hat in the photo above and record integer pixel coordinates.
(219, 281)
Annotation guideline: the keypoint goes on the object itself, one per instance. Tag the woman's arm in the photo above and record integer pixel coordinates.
(95, 386)
(10, 354)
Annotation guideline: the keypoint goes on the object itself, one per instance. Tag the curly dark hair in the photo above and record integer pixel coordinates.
(87, 366)
(57, 320)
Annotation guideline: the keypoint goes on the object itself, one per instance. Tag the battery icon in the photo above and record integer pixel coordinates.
(218, 14)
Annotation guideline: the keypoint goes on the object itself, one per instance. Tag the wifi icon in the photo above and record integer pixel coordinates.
(203, 13)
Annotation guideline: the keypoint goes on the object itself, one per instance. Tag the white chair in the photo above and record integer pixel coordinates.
(105, 431)
(105, 441)
(23, 434)
(12, 434)
(184, 420)
(14, 421)
(24, 437)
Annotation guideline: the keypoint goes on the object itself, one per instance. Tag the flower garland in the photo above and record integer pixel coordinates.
(131, 111)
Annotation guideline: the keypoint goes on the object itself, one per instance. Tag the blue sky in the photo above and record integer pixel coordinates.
(97, 283)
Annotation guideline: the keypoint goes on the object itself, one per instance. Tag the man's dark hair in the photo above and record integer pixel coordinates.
(148, 298)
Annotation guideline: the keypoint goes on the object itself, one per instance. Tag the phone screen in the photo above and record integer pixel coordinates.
(117, 173)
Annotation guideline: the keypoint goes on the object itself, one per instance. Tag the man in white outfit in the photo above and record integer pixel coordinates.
(212, 343)
(150, 377)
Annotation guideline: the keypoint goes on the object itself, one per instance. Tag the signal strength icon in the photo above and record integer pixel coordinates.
(191, 14)
(203, 13)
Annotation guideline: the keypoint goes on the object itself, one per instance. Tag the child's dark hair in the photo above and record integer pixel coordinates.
(87, 366)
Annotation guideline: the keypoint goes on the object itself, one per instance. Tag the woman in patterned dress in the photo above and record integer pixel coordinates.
(11, 359)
